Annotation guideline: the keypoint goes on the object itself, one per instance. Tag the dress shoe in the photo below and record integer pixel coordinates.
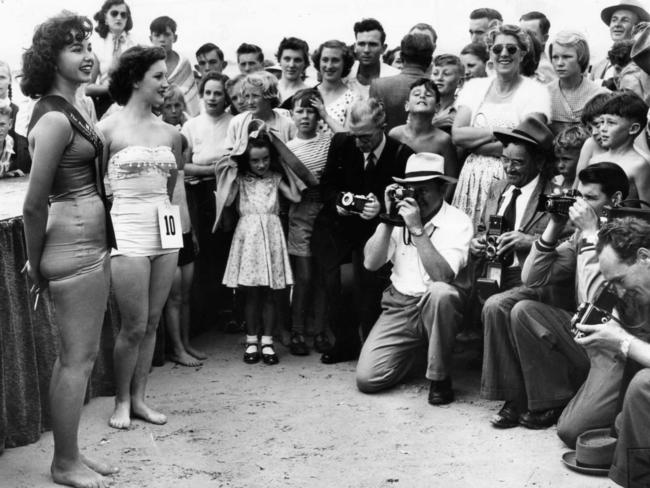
(507, 417)
(540, 420)
(253, 356)
(338, 355)
(268, 354)
(440, 392)
(322, 343)
(297, 345)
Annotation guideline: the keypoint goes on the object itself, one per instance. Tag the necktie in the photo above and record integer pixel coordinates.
(370, 162)
(510, 213)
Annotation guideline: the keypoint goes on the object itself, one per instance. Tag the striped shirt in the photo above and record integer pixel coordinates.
(313, 154)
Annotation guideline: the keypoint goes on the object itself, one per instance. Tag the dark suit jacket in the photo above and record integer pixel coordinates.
(533, 222)
(394, 91)
(344, 171)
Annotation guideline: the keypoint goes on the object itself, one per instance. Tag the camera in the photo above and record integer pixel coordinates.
(597, 312)
(351, 202)
(558, 203)
(396, 194)
(625, 209)
(490, 282)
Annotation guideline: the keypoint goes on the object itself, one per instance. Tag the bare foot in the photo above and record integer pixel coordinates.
(120, 418)
(184, 359)
(100, 467)
(76, 474)
(196, 353)
(147, 414)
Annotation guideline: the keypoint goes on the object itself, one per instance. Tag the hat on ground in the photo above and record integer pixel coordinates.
(424, 167)
(633, 5)
(531, 131)
(594, 453)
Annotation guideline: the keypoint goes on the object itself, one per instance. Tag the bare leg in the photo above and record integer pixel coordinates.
(173, 319)
(80, 303)
(131, 287)
(187, 276)
(160, 282)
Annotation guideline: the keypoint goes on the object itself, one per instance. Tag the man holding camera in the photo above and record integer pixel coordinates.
(545, 365)
(623, 249)
(360, 165)
(424, 304)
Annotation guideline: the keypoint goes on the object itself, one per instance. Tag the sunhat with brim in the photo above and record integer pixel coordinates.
(632, 5)
(594, 453)
(423, 167)
(531, 131)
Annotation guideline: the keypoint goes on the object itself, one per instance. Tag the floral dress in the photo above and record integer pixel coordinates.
(258, 253)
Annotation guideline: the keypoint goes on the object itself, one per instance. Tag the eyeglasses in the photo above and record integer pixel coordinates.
(510, 48)
(115, 13)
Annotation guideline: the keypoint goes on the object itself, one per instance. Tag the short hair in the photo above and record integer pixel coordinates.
(544, 23)
(246, 48)
(295, 44)
(575, 40)
(41, 58)
(428, 84)
(346, 53)
(417, 49)
(619, 54)
(369, 107)
(625, 236)
(594, 107)
(483, 13)
(174, 91)
(131, 68)
(223, 79)
(5, 111)
(207, 48)
(100, 17)
(523, 38)
(570, 138)
(628, 105)
(609, 176)
(531, 58)
(477, 49)
(266, 82)
(389, 55)
(159, 25)
(426, 27)
(305, 96)
(369, 24)
(450, 60)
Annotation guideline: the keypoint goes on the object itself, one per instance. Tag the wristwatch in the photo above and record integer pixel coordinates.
(417, 232)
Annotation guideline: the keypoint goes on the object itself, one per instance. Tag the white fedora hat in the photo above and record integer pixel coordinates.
(424, 167)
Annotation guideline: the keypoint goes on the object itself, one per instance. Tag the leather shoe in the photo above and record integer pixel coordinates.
(297, 346)
(507, 417)
(268, 354)
(338, 355)
(440, 392)
(540, 420)
(254, 356)
(322, 343)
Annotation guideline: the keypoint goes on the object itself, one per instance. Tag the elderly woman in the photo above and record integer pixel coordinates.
(333, 60)
(486, 104)
(293, 57)
(571, 90)
(114, 23)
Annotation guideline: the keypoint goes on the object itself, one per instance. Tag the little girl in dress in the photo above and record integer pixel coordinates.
(258, 261)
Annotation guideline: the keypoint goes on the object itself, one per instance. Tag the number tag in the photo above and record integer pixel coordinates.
(169, 222)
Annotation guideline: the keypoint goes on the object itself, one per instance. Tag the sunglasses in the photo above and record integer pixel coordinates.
(511, 49)
(115, 13)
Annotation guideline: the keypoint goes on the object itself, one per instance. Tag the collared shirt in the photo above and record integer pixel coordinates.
(108, 50)
(522, 201)
(377, 152)
(450, 231)
(363, 91)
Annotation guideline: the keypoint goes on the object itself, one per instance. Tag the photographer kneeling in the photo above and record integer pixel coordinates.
(424, 303)
(548, 366)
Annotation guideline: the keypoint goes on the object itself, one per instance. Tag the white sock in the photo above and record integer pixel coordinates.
(267, 340)
(251, 344)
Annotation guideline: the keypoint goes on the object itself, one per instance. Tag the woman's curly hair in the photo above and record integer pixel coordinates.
(40, 59)
(100, 17)
(346, 53)
(131, 68)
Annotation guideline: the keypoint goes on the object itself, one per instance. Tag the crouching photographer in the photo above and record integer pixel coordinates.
(535, 365)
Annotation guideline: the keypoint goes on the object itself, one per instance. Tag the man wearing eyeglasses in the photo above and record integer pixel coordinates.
(361, 163)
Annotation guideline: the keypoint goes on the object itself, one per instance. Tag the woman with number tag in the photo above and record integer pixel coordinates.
(67, 228)
(144, 153)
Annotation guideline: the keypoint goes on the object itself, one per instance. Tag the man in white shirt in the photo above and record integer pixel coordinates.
(424, 302)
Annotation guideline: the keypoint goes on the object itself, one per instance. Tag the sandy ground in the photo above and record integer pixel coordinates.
(304, 424)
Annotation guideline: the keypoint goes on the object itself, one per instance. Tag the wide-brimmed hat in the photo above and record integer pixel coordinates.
(532, 131)
(594, 453)
(424, 167)
(633, 5)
